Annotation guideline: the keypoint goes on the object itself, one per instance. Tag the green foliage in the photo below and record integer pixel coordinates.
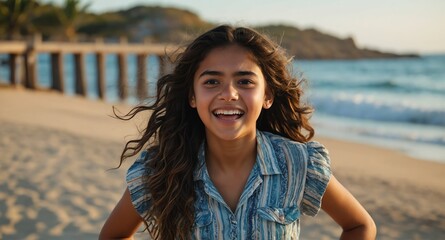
(24, 17)
(13, 15)
(46, 20)
(69, 17)
(105, 25)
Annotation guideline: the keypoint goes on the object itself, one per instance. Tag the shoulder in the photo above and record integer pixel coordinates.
(136, 179)
(310, 165)
(306, 167)
(138, 169)
(308, 152)
(310, 158)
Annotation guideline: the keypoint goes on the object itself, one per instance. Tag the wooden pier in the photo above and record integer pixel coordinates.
(28, 50)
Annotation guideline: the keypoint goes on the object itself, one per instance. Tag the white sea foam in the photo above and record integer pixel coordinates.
(361, 106)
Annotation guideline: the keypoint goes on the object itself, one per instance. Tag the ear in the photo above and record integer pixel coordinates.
(192, 101)
(268, 99)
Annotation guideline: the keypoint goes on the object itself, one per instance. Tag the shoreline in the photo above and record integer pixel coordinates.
(425, 151)
(57, 151)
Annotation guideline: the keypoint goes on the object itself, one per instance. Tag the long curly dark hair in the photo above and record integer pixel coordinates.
(174, 131)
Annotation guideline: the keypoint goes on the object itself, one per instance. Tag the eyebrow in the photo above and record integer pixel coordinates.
(217, 73)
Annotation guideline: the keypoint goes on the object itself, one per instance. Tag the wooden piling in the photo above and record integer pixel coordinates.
(79, 74)
(13, 69)
(122, 70)
(122, 75)
(30, 70)
(162, 65)
(141, 86)
(30, 56)
(100, 71)
(57, 70)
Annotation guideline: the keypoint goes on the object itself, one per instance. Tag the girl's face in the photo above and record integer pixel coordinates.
(229, 93)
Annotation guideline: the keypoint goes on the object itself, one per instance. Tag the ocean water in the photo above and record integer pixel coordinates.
(394, 103)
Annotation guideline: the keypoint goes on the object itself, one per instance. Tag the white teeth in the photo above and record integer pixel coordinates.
(228, 112)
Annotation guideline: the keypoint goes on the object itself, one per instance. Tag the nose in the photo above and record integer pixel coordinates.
(228, 92)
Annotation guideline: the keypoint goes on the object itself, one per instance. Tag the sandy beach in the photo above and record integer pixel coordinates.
(55, 182)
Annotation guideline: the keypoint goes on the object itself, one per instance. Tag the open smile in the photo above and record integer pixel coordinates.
(228, 114)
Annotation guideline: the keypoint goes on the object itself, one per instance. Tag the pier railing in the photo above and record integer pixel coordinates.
(28, 50)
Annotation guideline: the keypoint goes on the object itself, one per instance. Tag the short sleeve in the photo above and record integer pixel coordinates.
(136, 185)
(317, 178)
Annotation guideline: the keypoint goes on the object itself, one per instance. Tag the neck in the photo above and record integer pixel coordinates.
(231, 155)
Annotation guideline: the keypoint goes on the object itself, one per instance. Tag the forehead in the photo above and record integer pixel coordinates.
(229, 58)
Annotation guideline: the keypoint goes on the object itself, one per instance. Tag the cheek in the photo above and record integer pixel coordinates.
(202, 102)
(204, 96)
(259, 98)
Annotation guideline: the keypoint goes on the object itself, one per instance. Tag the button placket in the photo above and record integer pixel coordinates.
(233, 227)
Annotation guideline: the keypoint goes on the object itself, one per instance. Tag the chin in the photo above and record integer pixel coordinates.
(228, 135)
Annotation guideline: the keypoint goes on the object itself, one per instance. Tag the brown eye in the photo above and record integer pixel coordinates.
(211, 82)
(245, 82)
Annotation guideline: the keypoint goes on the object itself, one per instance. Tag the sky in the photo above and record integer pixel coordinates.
(400, 26)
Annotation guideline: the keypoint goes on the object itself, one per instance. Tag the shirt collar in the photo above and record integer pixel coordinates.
(265, 159)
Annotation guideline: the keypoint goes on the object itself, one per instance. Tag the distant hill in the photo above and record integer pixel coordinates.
(313, 44)
(174, 25)
(149, 23)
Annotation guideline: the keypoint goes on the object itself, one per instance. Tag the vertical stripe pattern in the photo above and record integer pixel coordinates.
(287, 180)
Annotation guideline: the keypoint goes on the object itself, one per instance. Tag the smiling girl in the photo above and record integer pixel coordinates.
(227, 153)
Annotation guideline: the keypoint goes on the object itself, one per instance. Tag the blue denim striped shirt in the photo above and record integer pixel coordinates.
(288, 179)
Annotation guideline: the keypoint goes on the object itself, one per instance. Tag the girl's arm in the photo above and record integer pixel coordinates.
(347, 212)
(123, 221)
